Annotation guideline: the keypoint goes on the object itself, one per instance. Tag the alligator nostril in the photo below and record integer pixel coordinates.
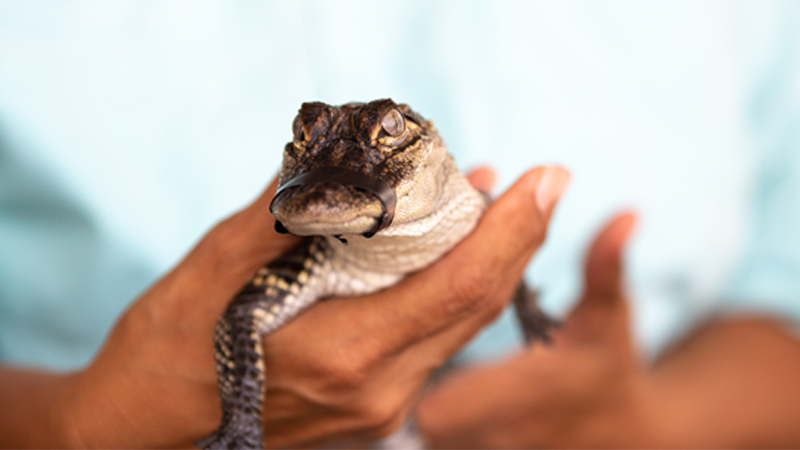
(345, 177)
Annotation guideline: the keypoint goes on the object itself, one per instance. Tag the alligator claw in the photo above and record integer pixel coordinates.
(535, 324)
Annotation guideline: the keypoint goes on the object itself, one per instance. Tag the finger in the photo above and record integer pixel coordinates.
(241, 244)
(604, 280)
(256, 224)
(482, 178)
(228, 255)
(604, 277)
(479, 274)
(602, 310)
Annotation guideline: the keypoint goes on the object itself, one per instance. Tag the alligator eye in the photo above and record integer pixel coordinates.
(297, 128)
(393, 123)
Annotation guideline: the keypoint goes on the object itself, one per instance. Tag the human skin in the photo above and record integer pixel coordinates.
(733, 383)
(345, 368)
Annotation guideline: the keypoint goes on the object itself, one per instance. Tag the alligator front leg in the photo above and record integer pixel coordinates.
(534, 323)
(277, 293)
(240, 372)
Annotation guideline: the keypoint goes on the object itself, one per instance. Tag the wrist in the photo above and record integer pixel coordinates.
(98, 410)
(34, 412)
(66, 426)
(98, 404)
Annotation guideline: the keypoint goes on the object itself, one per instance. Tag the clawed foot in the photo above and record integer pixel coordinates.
(535, 324)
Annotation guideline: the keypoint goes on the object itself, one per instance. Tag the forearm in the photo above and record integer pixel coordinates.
(732, 384)
(32, 409)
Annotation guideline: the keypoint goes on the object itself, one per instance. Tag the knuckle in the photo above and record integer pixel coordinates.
(223, 248)
(136, 324)
(346, 371)
(379, 418)
(220, 239)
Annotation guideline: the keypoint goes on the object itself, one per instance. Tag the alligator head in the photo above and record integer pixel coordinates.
(357, 168)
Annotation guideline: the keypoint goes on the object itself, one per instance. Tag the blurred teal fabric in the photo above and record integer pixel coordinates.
(127, 129)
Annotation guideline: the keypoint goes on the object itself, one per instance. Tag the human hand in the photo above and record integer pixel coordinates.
(575, 393)
(346, 367)
(353, 368)
(154, 383)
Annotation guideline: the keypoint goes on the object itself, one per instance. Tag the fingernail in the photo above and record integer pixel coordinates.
(549, 186)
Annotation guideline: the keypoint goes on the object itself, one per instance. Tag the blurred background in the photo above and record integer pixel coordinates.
(129, 128)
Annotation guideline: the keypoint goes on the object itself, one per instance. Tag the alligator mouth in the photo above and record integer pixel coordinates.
(333, 201)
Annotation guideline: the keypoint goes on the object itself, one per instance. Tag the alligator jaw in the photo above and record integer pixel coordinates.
(361, 225)
(327, 211)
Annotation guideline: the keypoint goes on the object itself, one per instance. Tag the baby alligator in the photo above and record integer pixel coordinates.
(378, 197)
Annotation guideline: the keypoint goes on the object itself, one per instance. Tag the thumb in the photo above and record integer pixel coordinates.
(603, 306)
(604, 275)
(223, 261)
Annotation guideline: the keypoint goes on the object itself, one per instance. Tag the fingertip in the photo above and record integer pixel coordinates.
(482, 178)
(602, 310)
(517, 213)
(612, 237)
(604, 261)
(621, 227)
(547, 184)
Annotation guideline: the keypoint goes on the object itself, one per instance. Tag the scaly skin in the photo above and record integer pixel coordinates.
(272, 297)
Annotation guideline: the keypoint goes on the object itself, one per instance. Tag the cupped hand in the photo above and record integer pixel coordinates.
(154, 383)
(345, 368)
(574, 393)
(353, 368)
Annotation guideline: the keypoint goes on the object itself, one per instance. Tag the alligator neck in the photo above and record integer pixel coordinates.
(408, 247)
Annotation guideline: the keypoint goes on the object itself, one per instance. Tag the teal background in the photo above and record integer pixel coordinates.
(128, 128)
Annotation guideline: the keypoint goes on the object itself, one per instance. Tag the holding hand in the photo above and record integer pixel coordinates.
(554, 396)
(344, 368)
(354, 367)
(731, 384)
